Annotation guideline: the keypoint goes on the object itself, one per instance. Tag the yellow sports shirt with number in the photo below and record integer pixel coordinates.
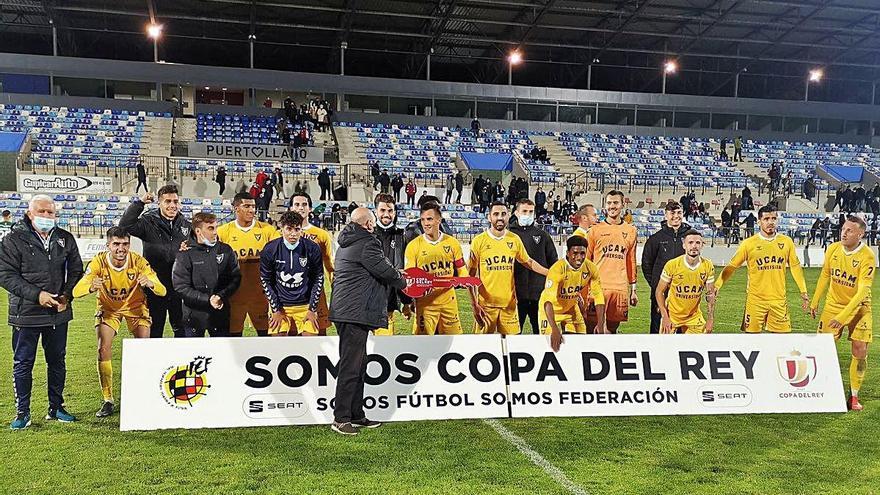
(441, 258)
(850, 276)
(324, 241)
(120, 291)
(248, 243)
(565, 283)
(492, 260)
(687, 285)
(767, 260)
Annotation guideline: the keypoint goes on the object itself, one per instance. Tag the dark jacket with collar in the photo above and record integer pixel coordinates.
(541, 248)
(393, 247)
(662, 246)
(27, 267)
(361, 280)
(203, 271)
(161, 237)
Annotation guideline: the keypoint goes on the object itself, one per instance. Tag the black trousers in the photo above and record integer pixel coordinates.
(222, 187)
(448, 196)
(159, 306)
(141, 183)
(24, 353)
(458, 196)
(411, 200)
(352, 370)
(200, 332)
(655, 313)
(528, 307)
(325, 193)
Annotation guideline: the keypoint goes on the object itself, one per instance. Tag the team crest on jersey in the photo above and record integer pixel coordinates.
(258, 236)
(584, 275)
(537, 239)
(703, 277)
(447, 249)
(234, 239)
(184, 230)
(855, 263)
(130, 276)
(510, 245)
(220, 258)
(61, 242)
(780, 244)
(303, 262)
(625, 235)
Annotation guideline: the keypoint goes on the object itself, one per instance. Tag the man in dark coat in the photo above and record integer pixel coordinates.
(358, 304)
(396, 186)
(459, 186)
(393, 246)
(324, 184)
(142, 177)
(39, 266)
(662, 246)
(163, 232)
(539, 245)
(206, 275)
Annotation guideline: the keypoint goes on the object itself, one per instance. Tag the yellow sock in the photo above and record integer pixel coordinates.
(857, 369)
(105, 374)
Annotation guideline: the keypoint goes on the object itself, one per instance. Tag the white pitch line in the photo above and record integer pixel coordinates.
(536, 458)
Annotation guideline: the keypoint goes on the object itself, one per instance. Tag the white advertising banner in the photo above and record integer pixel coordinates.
(632, 375)
(244, 151)
(64, 184)
(226, 382)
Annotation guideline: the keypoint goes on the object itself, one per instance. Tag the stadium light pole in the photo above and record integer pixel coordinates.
(342, 47)
(154, 31)
(670, 67)
(515, 58)
(814, 77)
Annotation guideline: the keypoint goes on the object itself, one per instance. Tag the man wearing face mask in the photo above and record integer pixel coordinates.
(663, 246)
(164, 231)
(206, 275)
(39, 266)
(358, 304)
(393, 246)
(539, 246)
(292, 277)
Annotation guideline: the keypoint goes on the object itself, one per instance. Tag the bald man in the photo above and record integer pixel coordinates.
(358, 304)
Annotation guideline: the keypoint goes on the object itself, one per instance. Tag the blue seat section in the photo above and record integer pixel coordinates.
(802, 158)
(653, 160)
(79, 136)
(250, 129)
(428, 152)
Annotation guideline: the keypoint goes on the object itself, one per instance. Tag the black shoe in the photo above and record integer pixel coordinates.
(106, 410)
(60, 415)
(366, 423)
(344, 428)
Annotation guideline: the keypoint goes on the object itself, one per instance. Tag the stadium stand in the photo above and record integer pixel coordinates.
(802, 158)
(235, 128)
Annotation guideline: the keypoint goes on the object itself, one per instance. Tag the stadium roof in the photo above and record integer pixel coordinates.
(772, 44)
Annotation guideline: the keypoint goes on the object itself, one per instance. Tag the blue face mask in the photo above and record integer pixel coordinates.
(526, 220)
(209, 243)
(291, 245)
(44, 224)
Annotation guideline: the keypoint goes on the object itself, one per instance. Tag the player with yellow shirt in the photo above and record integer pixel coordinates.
(560, 308)
(493, 254)
(440, 255)
(767, 254)
(118, 276)
(688, 278)
(847, 275)
(247, 236)
(302, 204)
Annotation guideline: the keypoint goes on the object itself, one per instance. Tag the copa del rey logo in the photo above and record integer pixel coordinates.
(796, 369)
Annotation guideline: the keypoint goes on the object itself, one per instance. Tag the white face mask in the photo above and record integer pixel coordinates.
(208, 243)
(526, 220)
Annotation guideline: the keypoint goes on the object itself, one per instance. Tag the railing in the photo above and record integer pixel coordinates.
(95, 165)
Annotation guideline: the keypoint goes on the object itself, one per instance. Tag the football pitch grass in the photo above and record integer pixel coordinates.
(773, 453)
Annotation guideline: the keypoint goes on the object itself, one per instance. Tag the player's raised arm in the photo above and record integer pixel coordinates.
(821, 285)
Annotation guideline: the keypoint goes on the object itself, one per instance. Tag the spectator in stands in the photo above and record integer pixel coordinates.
(723, 149)
(220, 178)
(384, 182)
(859, 196)
(374, 173)
(750, 224)
(410, 192)
(205, 292)
(459, 186)
(475, 127)
(486, 197)
(477, 192)
(141, 177)
(685, 202)
(534, 153)
(826, 231)
(510, 199)
(814, 231)
(284, 132)
(774, 175)
(557, 208)
(499, 191)
(279, 182)
(846, 199)
(569, 193)
(39, 266)
(425, 197)
(523, 189)
(809, 188)
(322, 119)
(264, 201)
(450, 186)
(788, 183)
(324, 184)
(542, 155)
(396, 186)
(540, 202)
(738, 149)
(663, 246)
(872, 233)
(267, 103)
(539, 245)
(747, 203)
(701, 210)
(875, 206)
(163, 231)
(725, 224)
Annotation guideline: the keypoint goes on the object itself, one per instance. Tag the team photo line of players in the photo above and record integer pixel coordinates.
(213, 278)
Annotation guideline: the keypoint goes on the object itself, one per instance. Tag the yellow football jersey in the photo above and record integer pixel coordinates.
(248, 243)
(492, 260)
(325, 241)
(686, 287)
(120, 291)
(766, 260)
(581, 232)
(850, 276)
(442, 258)
(565, 283)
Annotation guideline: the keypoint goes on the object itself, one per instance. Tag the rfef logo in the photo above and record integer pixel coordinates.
(796, 369)
(183, 385)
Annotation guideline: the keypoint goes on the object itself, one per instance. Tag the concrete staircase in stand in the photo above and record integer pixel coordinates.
(561, 159)
(157, 136)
